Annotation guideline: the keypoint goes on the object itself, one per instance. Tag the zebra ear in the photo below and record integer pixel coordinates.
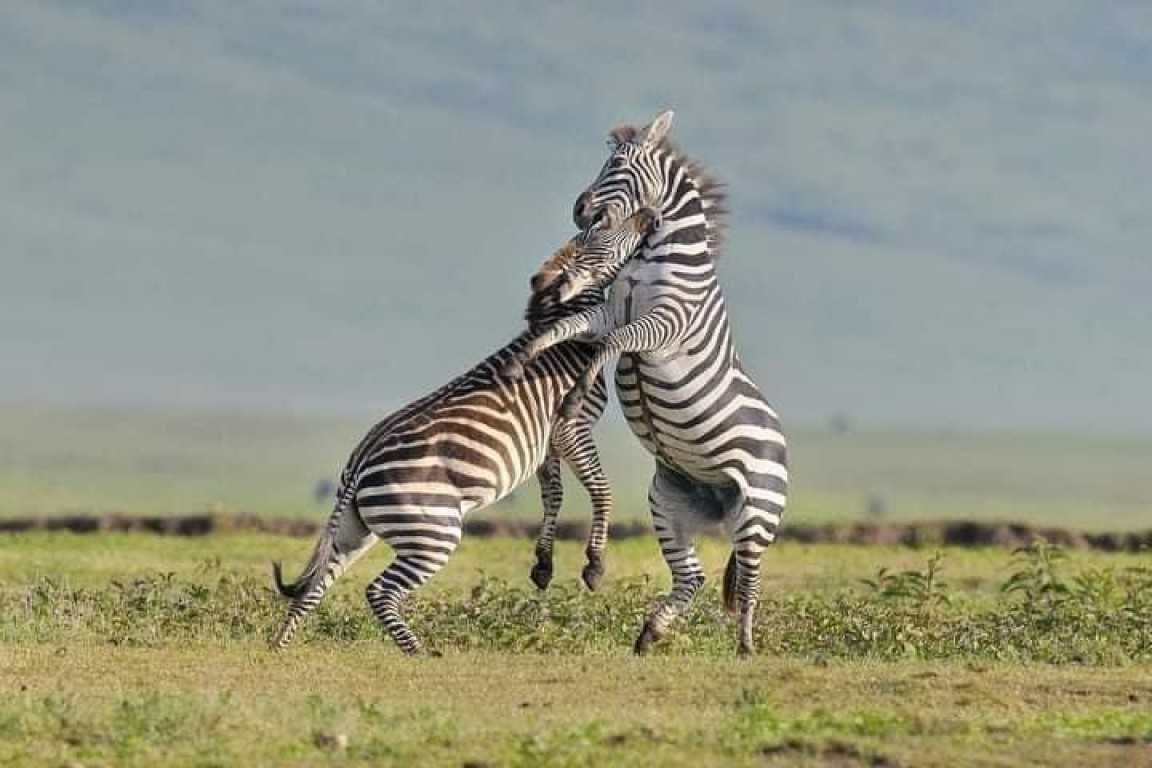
(656, 130)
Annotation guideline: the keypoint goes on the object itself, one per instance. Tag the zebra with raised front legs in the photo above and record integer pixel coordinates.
(416, 474)
(720, 454)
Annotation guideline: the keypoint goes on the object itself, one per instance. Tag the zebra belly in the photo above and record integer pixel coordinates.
(433, 491)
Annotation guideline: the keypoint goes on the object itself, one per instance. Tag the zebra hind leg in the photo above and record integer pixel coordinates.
(341, 545)
(579, 450)
(414, 565)
(552, 495)
(672, 499)
(748, 594)
(754, 533)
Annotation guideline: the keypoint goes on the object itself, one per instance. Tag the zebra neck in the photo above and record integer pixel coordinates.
(682, 238)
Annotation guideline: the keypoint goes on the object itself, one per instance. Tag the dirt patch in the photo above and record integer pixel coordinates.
(831, 753)
(916, 535)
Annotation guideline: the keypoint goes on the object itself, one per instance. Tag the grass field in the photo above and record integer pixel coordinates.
(139, 650)
(361, 705)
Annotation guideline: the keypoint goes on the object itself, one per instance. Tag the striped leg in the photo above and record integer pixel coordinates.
(574, 439)
(421, 550)
(747, 593)
(340, 549)
(671, 498)
(754, 531)
(655, 330)
(551, 494)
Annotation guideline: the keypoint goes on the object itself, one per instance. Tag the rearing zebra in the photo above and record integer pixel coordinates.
(720, 455)
(416, 474)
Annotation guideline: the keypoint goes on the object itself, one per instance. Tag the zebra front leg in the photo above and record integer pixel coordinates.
(552, 495)
(560, 331)
(654, 331)
(671, 499)
(574, 439)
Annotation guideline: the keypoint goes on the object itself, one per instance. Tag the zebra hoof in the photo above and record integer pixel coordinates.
(593, 573)
(281, 639)
(644, 641)
(542, 574)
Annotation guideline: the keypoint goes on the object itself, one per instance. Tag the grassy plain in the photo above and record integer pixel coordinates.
(362, 704)
(133, 649)
(139, 650)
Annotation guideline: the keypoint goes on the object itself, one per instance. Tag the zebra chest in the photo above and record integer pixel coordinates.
(635, 290)
(633, 297)
(656, 420)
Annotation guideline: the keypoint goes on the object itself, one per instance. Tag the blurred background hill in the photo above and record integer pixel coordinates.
(230, 228)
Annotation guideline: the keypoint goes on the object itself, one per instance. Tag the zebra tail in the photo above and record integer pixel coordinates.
(302, 585)
(729, 592)
(321, 555)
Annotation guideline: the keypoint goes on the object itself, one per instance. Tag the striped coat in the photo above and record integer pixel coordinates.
(416, 473)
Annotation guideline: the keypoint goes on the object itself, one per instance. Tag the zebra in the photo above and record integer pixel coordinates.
(414, 476)
(721, 456)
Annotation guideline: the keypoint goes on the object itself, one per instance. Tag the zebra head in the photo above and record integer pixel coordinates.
(632, 177)
(588, 262)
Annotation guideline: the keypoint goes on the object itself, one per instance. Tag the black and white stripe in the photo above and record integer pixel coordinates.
(720, 454)
(416, 474)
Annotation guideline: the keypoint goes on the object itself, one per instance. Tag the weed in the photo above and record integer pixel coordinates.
(921, 587)
(1036, 576)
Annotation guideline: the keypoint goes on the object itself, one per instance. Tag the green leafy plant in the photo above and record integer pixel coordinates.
(1037, 576)
(921, 587)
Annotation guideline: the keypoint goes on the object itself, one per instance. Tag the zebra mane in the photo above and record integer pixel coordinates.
(555, 264)
(713, 196)
(543, 306)
(624, 134)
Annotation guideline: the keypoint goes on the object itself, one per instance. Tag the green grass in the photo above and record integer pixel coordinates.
(88, 560)
(361, 704)
(132, 649)
(55, 461)
(1054, 611)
